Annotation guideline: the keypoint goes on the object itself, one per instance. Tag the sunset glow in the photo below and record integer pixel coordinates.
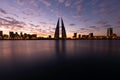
(40, 16)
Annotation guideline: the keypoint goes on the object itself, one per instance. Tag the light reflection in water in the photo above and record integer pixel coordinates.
(60, 49)
(29, 51)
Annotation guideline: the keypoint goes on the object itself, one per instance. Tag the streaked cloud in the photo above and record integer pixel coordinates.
(20, 2)
(79, 9)
(106, 26)
(47, 2)
(39, 16)
(102, 22)
(94, 27)
(11, 23)
(2, 11)
(68, 3)
(78, 2)
(72, 24)
(61, 1)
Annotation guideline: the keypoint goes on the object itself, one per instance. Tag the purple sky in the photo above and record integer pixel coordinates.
(40, 16)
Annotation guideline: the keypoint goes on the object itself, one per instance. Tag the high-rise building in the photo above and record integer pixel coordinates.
(63, 30)
(56, 36)
(57, 32)
(79, 36)
(75, 35)
(11, 34)
(1, 34)
(49, 36)
(90, 35)
(16, 35)
(109, 32)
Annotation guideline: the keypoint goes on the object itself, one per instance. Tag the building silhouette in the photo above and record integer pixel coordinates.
(79, 36)
(1, 34)
(75, 36)
(63, 30)
(57, 30)
(109, 32)
(56, 36)
(91, 35)
(11, 34)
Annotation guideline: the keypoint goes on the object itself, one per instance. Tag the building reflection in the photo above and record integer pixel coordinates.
(60, 49)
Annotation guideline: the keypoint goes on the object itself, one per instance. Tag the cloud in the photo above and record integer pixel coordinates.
(105, 8)
(33, 25)
(47, 23)
(94, 27)
(102, 22)
(10, 18)
(106, 26)
(103, 5)
(2, 20)
(28, 12)
(3, 11)
(84, 29)
(47, 2)
(78, 2)
(118, 17)
(86, 20)
(61, 1)
(53, 29)
(11, 23)
(94, 2)
(57, 13)
(43, 23)
(118, 22)
(72, 24)
(67, 3)
(32, 1)
(20, 2)
(79, 9)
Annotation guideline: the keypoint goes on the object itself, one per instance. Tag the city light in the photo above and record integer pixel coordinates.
(15, 36)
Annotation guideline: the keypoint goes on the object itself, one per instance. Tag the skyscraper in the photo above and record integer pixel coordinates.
(90, 35)
(79, 36)
(1, 34)
(109, 32)
(63, 30)
(75, 36)
(11, 35)
(56, 36)
(57, 32)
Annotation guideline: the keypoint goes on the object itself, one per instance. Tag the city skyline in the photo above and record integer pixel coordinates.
(59, 34)
(40, 16)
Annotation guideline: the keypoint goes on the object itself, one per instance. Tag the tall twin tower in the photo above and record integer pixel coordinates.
(57, 31)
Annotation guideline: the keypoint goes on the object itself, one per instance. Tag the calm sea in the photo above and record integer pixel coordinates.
(50, 58)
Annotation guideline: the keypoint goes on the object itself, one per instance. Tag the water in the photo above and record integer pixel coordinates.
(52, 58)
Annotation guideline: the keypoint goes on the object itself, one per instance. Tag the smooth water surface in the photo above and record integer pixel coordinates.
(46, 57)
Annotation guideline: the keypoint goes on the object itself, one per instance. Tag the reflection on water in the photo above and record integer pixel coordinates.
(60, 50)
(25, 51)
(52, 56)
(48, 49)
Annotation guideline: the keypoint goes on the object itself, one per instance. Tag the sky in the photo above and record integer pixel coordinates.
(40, 16)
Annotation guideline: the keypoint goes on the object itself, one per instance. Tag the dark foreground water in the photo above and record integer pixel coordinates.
(59, 59)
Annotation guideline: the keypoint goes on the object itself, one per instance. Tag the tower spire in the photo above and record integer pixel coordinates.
(56, 36)
(63, 30)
